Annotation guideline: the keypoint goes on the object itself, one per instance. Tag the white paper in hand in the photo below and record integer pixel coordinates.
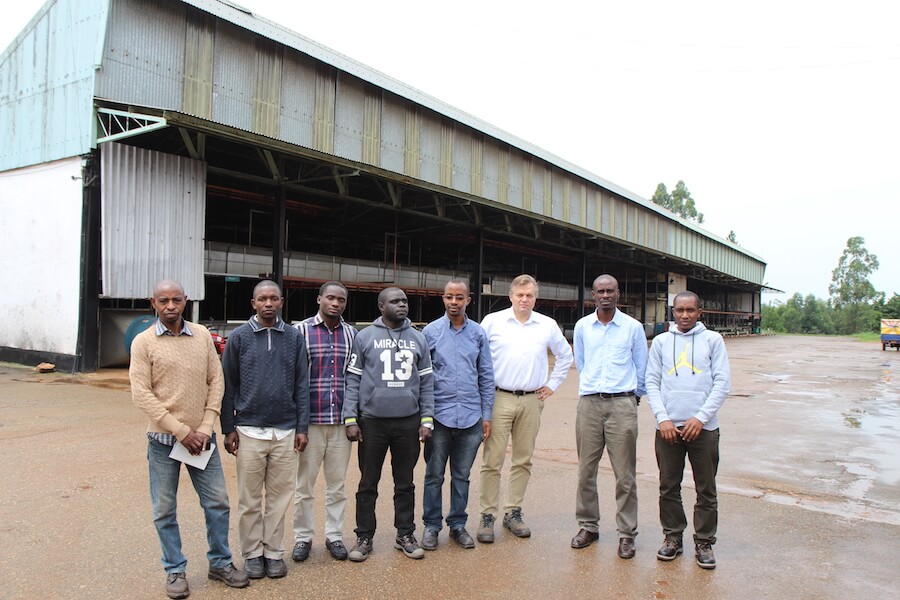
(180, 453)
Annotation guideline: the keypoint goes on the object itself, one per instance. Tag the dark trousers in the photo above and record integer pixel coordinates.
(704, 456)
(401, 437)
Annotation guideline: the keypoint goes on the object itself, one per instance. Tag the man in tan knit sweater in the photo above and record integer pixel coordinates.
(176, 379)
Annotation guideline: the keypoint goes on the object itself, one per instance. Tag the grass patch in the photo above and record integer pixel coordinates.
(868, 336)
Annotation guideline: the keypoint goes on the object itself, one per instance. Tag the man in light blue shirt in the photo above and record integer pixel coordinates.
(611, 356)
(463, 401)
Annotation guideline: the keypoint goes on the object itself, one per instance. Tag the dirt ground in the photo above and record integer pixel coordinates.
(809, 497)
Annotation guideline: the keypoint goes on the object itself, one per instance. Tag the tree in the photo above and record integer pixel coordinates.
(850, 280)
(891, 308)
(679, 201)
(732, 237)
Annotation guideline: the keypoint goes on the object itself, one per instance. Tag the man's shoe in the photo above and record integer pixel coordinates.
(176, 586)
(255, 567)
(705, 557)
(584, 538)
(301, 551)
(485, 533)
(626, 547)
(409, 546)
(513, 521)
(462, 537)
(230, 576)
(337, 549)
(429, 539)
(670, 550)
(275, 568)
(361, 550)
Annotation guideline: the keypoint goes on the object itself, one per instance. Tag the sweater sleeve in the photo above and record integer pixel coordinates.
(426, 384)
(231, 367)
(215, 386)
(350, 412)
(653, 380)
(140, 374)
(301, 387)
(721, 379)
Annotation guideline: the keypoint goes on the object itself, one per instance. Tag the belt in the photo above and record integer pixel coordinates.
(515, 392)
(614, 394)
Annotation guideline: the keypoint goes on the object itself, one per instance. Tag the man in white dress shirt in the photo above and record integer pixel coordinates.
(519, 339)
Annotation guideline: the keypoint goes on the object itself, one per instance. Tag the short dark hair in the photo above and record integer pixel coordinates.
(329, 284)
(266, 283)
(686, 294)
(457, 281)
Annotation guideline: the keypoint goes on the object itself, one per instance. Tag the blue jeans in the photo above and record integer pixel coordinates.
(459, 446)
(210, 486)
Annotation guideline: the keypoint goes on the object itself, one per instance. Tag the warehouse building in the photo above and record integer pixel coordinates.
(197, 141)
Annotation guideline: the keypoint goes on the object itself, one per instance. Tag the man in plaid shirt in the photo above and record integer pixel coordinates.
(329, 340)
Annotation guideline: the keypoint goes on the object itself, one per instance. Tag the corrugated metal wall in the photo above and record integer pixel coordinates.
(158, 53)
(153, 215)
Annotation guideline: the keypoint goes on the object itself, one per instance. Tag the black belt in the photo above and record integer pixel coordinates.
(515, 392)
(614, 394)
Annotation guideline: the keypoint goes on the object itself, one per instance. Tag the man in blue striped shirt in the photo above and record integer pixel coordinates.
(463, 401)
(329, 340)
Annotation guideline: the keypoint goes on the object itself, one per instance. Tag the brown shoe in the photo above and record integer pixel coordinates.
(584, 538)
(626, 547)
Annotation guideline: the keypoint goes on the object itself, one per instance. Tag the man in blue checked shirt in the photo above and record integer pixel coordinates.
(329, 340)
(463, 401)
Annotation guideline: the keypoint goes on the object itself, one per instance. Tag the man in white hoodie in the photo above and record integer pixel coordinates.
(688, 378)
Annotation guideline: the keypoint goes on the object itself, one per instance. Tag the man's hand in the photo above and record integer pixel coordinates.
(424, 433)
(691, 430)
(300, 442)
(195, 442)
(231, 442)
(354, 433)
(543, 392)
(668, 432)
(485, 430)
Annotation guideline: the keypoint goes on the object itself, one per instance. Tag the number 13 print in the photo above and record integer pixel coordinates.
(405, 360)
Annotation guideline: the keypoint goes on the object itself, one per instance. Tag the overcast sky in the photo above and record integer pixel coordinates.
(783, 118)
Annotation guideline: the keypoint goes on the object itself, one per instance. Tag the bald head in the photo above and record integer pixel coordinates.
(168, 285)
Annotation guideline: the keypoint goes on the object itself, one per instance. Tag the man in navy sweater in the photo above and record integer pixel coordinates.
(265, 417)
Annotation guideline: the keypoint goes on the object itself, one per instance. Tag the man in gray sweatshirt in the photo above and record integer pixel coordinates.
(389, 404)
(688, 378)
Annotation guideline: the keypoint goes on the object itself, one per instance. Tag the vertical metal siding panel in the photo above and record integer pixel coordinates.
(591, 216)
(430, 148)
(298, 95)
(558, 193)
(515, 177)
(143, 61)
(199, 49)
(267, 88)
(446, 153)
(234, 73)
(153, 214)
(503, 171)
(537, 187)
(606, 213)
(372, 126)
(462, 162)
(412, 154)
(477, 163)
(581, 205)
(326, 91)
(491, 162)
(548, 189)
(349, 117)
(393, 133)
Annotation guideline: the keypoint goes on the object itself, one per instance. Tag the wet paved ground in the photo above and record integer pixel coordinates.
(809, 498)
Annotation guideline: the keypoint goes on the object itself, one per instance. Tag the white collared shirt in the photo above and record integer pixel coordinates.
(519, 351)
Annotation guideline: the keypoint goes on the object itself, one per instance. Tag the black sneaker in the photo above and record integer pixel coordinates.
(705, 557)
(409, 546)
(462, 537)
(361, 550)
(485, 533)
(301, 551)
(255, 567)
(513, 521)
(670, 550)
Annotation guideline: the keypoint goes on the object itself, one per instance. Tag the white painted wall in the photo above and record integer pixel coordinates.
(40, 256)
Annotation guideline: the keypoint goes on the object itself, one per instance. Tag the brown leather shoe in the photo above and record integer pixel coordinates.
(584, 538)
(626, 547)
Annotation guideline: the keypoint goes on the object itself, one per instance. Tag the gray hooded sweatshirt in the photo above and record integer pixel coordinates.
(389, 375)
(688, 376)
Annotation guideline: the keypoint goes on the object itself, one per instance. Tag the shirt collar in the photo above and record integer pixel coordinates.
(255, 325)
(617, 318)
(465, 322)
(163, 330)
(318, 320)
(512, 316)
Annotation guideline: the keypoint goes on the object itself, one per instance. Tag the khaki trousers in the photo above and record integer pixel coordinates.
(328, 446)
(610, 423)
(269, 465)
(519, 418)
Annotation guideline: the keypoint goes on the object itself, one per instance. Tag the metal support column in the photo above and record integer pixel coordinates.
(479, 273)
(644, 298)
(581, 284)
(279, 216)
(87, 349)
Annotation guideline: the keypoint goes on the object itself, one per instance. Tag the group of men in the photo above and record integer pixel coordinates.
(292, 400)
